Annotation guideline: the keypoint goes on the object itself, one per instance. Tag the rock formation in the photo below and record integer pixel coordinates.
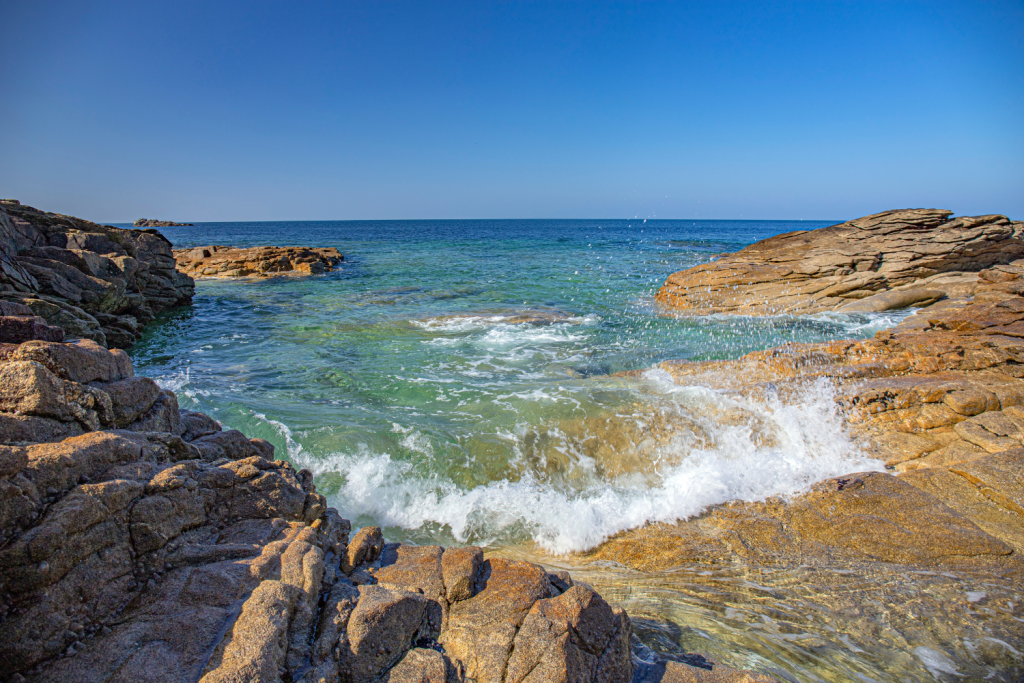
(939, 399)
(890, 260)
(140, 542)
(152, 223)
(229, 262)
(90, 281)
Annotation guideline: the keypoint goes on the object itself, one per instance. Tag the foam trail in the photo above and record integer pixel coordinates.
(811, 445)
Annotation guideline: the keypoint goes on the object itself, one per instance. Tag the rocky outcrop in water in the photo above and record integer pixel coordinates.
(939, 399)
(890, 260)
(229, 262)
(91, 281)
(140, 542)
(152, 223)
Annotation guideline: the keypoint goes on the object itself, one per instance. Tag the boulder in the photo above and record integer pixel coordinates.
(18, 329)
(364, 547)
(460, 568)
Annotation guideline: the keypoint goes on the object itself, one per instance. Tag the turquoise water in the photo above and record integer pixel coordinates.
(454, 382)
(451, 381)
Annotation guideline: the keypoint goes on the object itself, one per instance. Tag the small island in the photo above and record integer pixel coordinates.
(232, 262)
(153, 223)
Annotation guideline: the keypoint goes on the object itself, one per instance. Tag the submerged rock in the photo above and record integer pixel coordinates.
(886, 261)
(229, 262)
(70, 277)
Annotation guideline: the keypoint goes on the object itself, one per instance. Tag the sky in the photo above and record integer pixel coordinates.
(230, 111)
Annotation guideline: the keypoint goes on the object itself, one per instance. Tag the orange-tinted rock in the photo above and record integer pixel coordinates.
(889, 260)
(229, 262)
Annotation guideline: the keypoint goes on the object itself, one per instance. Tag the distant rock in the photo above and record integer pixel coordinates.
(153, 223)
(82, 280)
(230, 262)
(890, 260)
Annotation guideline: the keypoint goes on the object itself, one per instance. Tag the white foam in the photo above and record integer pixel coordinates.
(811, 444)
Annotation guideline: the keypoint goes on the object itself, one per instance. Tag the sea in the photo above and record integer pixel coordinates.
(461, 382)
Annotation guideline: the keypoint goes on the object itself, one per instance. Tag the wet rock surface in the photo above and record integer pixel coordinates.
(939, 400)
(229, 262)
(890, 260)
(143, 543)
(62, 276)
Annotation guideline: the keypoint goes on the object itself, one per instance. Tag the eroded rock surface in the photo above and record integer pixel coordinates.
(890, 260)
(139, 542)
(228, 262)
(69, 277)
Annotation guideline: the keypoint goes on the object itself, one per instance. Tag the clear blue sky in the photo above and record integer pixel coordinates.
(336, 110)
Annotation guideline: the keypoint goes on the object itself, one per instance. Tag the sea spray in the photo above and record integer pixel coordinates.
(810, 444)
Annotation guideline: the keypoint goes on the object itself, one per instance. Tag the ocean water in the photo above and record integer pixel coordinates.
(454, 381)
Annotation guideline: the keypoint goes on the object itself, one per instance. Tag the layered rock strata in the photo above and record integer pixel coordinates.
(92, 281)
(153, 223)
(230, 262)
(939, 399)
(890, 260)
(140, 542)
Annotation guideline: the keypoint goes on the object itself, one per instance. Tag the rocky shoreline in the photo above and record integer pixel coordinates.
(146, 543)
(143, 542)
(92, 281)
(139, 541)
(231, 262)
(939, 399)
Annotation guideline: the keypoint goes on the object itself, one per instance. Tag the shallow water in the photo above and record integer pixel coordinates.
(452, 381)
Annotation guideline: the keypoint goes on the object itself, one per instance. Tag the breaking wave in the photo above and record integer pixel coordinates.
(808, 443)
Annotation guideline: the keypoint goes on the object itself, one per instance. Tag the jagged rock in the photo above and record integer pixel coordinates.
(569, 637)
(92, 281)
(418, 666)
(383, 626)
(20, 429)
(15, 329)
(889, 260)
(27, 387)
(365, 547)
(137, 554)
(232, 444)
(195, 425)
(82, 361)
(228, 262)
(460, 567)
(162, 416)
(481, 630)
(131, 398)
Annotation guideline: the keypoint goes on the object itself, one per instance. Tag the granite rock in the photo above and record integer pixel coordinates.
(894, 259)
(230, 262)
(174, 549)
(91, 281)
